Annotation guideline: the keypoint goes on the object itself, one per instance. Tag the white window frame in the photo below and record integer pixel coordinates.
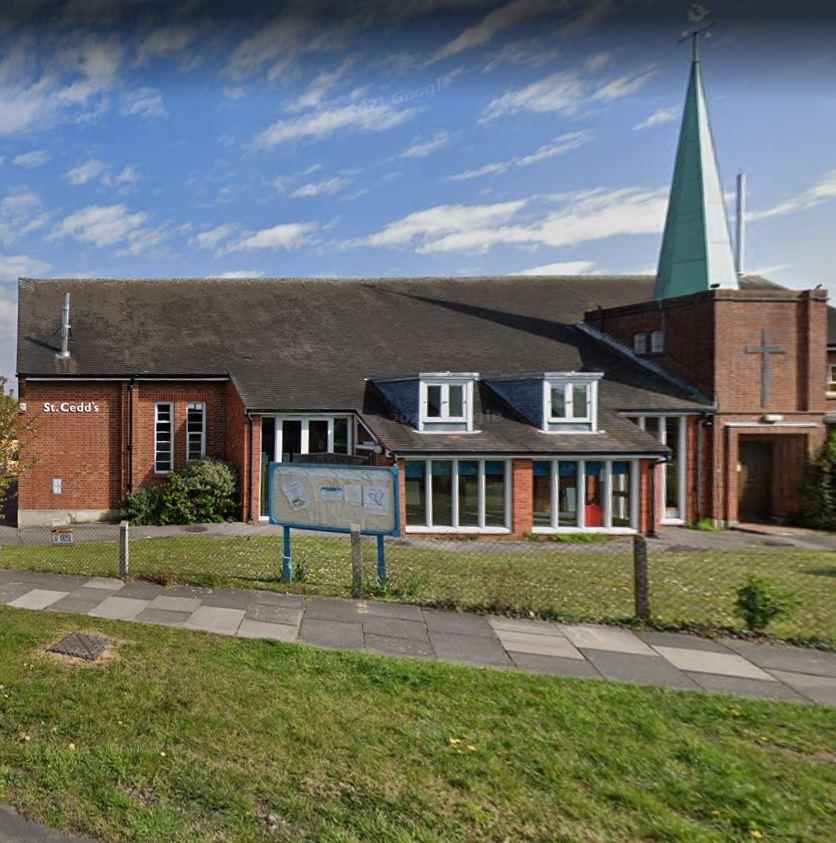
(682, 468)
(569, 380)
(157, 422)
(429, 527)
(445, 382)
(304, 439)
(657, 342)
(192, 405)
(569, 402)
(640, 343)
(606, 497)
(831, 378)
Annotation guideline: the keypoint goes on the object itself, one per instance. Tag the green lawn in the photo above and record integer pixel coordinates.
(192, 737)
(592, 582)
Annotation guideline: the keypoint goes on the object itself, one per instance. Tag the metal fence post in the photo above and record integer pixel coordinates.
(381, 561)
(124, 549)
(287, 562)
(641, 584)
(356, 563)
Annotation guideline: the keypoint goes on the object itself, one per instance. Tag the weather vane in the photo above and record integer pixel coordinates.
(697, 15)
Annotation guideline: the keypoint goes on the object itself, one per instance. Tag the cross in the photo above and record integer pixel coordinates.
(765, 350)
(694, 36)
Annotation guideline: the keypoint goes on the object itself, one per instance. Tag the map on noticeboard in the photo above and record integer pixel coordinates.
(333, 497)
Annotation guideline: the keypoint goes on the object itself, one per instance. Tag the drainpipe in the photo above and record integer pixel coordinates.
(131, 435)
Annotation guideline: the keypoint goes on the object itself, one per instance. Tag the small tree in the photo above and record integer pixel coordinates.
(759, 603)
(15, 429)
(818, 495)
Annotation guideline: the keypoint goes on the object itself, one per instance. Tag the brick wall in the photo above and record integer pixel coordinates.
(238, 443)
(522, 497)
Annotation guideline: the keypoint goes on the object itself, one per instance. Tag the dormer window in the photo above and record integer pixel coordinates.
(640, 343)
(570, 402)
(446, 400)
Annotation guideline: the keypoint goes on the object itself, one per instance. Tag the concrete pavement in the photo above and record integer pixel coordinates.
(391, 629)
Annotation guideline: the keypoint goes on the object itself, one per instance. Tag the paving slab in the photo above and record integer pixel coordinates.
(75, 605)
(15, 829)
(700, 661)
(267, 613)
(543, 645)
(645, 670)
(104, 583)
(522, 625)
(141, 590)
(819, 689)
(390, 646)
(392, 610)
(37, 598)
(610, 638)
(333, 609)
(183, 590)
(271, 631)
(685, 642)
(87, 593)
(228, 599)
(396, 628)
(164, 617)
(12, 590)
(219, 619)
(554, 666)
(455, 623)
(793, 659)
(469, 649)
(743, 687)
(274, 598)
(335, 634)
(169, 603)
(119, 608)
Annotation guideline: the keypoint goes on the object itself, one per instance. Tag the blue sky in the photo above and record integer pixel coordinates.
(386, 138)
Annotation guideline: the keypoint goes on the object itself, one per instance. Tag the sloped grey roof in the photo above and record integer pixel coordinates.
(310, 344)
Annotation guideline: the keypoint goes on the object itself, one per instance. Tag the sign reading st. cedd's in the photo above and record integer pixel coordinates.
(71, 407)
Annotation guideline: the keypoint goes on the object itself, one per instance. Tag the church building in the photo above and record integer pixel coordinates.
(511, 405)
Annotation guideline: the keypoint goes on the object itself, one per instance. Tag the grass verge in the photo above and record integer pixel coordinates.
(689, 589)
(192, 737)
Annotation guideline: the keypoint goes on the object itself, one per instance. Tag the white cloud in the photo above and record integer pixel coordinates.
(326, 187)
(127, 175)
(624, 86)
(20, 214)
(241, 273)
(287, 236)
(143, 102)
(212, 239)
(561, 268)
(164, 43)
(372, 117)
(822, 191)
(102, 225)
(13, 267)
(559, 146)
(530, 52)
(320, 86)
(423, 148)
(83, 173)
(658, 118)
(597, 61)
(580, 217)
(493, 23)
(30, 160)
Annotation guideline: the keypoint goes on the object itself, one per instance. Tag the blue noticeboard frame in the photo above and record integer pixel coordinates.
(393, 470)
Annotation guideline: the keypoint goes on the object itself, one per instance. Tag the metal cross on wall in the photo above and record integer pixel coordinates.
(766, 350)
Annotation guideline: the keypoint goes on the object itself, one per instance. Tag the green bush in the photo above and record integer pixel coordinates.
(818, 495)
(759, 603)
(204, 492)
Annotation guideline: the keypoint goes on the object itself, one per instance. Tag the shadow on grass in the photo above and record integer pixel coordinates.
(826, 571)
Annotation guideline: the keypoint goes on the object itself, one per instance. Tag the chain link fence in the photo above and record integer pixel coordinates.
(687, 585)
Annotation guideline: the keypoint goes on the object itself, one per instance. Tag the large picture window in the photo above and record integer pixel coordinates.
(453, 494)
(163, 438)
(585, 494)
(195, 431)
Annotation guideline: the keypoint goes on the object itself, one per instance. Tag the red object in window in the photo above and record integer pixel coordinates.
(594, 515)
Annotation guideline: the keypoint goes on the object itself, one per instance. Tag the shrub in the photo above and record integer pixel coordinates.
(204, 491)
(759, 603)
(818, 495)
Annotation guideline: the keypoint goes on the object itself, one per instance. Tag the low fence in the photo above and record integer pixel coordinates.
(583, 579)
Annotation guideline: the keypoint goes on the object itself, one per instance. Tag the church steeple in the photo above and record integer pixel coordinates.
(696, 247)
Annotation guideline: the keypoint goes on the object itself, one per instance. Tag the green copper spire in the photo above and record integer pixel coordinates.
(696, 247)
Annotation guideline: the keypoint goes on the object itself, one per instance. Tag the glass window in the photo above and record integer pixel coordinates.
(442, 492)
(456, 401)
(196, 431)
(831, 378)
(163, 444)
(494, 493)
(291, 439)
(657, 342)
(341, 436)
(559, 402)
(651, 425)
(434, 401)
(468, 493)
(580, 400)
(672, 468)
(594, 500)
(621, 494)
(640, 343)
(268, 442)
(318, 436)
(567, 497)
(542, 494)
(416, 492)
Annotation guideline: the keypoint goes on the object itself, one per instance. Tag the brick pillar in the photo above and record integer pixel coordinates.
(522, 497)
(254, 485)
(402, 492)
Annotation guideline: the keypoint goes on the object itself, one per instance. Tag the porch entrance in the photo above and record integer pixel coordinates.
(755, 479)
